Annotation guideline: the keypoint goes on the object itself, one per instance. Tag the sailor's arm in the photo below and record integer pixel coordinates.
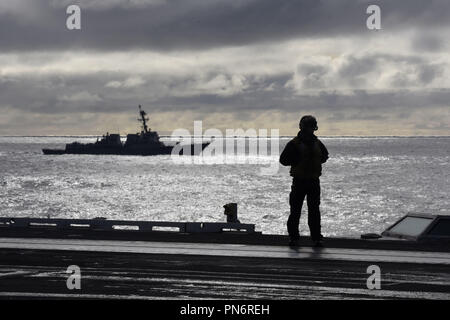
(324, 152)
(289, 156)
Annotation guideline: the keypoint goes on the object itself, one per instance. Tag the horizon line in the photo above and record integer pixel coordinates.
(224, 136)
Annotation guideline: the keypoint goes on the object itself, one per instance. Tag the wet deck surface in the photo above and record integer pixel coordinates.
(36, 268)
(230, 250)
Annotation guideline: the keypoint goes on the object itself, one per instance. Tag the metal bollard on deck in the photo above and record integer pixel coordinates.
(231, 212)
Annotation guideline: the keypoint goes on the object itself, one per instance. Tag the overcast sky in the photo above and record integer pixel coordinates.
(231, 63)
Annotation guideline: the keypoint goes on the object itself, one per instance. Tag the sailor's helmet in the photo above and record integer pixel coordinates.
(308, 121)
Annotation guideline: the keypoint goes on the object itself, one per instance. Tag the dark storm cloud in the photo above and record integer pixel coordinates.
(355, 67)
(57, 94)
(427, 42)
(418, 70)
(359, 66)
(313, 75)
(109, 92)
(429, 72)
(189, 24)
(423, 74)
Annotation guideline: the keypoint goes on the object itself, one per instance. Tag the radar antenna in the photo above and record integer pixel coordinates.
(143, 119)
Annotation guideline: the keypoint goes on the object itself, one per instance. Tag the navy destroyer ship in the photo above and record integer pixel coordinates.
(144, 143)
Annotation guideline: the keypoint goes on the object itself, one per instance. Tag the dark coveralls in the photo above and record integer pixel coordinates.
(305, 154)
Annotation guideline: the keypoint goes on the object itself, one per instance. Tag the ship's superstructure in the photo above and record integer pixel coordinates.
(144, 143)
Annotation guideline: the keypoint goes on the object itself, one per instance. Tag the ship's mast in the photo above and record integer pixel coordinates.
(143, 119)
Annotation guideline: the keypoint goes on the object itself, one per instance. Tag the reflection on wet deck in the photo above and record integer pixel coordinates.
(231, 250)
(36, 268)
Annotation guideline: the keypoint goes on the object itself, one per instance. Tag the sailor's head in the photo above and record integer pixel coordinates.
(308, 123)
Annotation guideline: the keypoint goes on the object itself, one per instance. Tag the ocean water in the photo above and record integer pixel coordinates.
(367, 184)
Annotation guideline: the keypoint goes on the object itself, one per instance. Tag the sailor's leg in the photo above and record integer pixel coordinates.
(313, 201)
(296, 198)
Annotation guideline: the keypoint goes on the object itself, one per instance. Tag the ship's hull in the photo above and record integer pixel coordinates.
(193, 149)
(53, 151)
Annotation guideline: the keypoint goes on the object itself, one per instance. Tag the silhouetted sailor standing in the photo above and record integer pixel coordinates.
(305, 154)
